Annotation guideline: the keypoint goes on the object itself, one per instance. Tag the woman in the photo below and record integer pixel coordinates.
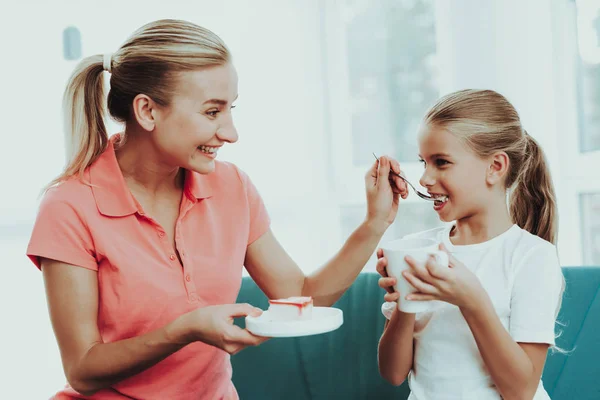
(142, 239)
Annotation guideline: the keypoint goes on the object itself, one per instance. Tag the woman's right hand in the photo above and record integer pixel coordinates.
(386, 282)
(214, 325)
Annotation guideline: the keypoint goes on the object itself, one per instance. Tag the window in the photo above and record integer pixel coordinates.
(583, 161)
(588, 35)
(590, 221)
(391, 78)
(382, 78)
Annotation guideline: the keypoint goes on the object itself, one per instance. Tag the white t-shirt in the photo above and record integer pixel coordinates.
(523, 278)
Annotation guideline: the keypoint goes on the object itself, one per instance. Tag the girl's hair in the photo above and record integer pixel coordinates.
(488, 123)
(148, 63)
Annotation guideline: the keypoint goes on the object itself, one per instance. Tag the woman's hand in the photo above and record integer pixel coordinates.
(455, 285)
(214, 325)
(384, 188)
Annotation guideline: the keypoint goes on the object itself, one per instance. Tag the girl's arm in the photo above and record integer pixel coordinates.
(395, 352)
(515, 368)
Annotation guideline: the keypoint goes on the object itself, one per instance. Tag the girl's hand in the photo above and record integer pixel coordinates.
(455, 285)
(386, 282)
(384, 189)
(213, 325)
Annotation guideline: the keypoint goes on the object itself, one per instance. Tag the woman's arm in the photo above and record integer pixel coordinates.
(279, 276)
(395, 352)
(91, 365)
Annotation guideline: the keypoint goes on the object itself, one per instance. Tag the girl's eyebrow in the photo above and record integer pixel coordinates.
(438, 155)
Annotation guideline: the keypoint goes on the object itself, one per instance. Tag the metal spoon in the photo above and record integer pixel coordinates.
(421, 195)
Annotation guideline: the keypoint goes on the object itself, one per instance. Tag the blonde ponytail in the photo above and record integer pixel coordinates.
(488, 123)
(533, 201)
(84, 112)
(148, 62)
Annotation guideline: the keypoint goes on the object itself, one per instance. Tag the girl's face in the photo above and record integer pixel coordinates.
(189, 132)
(454, 174)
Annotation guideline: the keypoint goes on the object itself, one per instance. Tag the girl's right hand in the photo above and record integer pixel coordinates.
(214, 325)
(386, 282)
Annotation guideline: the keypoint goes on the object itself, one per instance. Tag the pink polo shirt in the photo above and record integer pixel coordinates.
(142, 285)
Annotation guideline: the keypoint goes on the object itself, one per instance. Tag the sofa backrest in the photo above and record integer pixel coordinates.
(343, 364)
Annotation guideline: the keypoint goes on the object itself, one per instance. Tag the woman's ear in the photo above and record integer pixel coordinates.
(498, 168)
(143, 111)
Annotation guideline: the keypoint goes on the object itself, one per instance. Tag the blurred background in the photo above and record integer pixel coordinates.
(323, 83)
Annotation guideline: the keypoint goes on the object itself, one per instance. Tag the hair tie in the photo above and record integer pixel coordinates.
(107, 62)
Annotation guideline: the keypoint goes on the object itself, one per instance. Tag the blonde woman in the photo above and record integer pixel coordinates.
(141, 240)
(503, 289)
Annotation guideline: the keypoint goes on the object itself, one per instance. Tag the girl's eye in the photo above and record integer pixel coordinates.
(213, 113)
(440, 162)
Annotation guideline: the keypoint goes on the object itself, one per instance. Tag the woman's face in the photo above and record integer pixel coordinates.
(190, 131)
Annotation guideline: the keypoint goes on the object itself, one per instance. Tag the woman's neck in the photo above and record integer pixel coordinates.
(142, 168)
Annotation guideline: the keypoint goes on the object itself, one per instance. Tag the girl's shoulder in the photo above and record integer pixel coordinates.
(436, 233)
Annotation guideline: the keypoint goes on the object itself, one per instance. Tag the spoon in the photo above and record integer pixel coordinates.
(421, 195)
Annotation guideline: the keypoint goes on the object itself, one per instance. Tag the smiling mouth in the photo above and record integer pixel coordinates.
(439, 199)
(208, 149)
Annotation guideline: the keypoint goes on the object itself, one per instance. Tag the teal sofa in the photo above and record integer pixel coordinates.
(343, 364)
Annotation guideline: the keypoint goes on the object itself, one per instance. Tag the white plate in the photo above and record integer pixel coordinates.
(324, 319)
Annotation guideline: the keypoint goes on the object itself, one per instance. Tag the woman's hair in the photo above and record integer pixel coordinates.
(488, 123)
(148, 63)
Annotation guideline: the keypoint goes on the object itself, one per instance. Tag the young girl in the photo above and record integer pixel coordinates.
(503, 289)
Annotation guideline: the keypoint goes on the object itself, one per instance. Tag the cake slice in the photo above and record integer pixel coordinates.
(291, 309)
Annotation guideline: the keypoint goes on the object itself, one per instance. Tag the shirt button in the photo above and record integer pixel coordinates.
(172, 257)
(187, 278)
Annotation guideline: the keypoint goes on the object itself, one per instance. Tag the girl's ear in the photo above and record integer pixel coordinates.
(498, 168)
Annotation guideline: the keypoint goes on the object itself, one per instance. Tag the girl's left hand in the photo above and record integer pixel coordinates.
(455, 285)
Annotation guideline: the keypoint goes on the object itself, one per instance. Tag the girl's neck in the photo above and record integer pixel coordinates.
(482, 226)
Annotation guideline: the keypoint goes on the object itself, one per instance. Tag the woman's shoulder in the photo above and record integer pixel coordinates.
(73, 192)
(228, 174)
(227, 169)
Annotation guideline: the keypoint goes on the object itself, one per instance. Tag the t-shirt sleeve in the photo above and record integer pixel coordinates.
(60, 233)
(259, 217)
(536, 294)
(387, 308)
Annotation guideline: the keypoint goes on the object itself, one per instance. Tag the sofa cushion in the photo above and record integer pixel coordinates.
(575, 374)
(343, 364)
(340, 364)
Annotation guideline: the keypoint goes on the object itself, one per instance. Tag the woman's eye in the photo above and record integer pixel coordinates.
(213, 113)
(440, 162)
